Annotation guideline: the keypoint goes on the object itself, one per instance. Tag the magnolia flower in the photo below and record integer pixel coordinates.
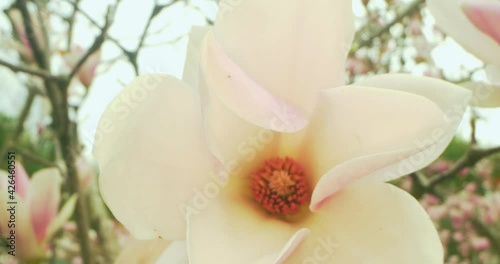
(475, 24)
(36, 210)
(265, 156)
(87, 71)
(24, 47)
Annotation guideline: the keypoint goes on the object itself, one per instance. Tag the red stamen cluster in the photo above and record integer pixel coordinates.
(280, 186)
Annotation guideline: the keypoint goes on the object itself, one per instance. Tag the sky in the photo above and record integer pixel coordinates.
(165, 51)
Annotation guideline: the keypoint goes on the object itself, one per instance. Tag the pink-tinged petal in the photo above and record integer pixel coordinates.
(43, 200)
(287, 251)
(22, 181)
(238, 144)
(27, 246)
(227, 81)
(232, 229)
(370, 223)
(453, 21)
(375, 134)
(4, 196)
(87, 72)
(26, 243)
(294, 48)
(191, 71)
(152, 155)
(485, 16)
(61, 218)
(142, 251)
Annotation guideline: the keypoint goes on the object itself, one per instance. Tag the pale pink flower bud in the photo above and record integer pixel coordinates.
(87, 71)
(432, 199)
(480, 243)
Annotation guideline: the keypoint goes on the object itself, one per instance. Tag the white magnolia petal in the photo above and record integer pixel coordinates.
(228, 82)
(453, 21)
(142, 251)
(484, 95)
(238, 144)
(152, 155)
(192, 64)
(371, 223)
(282, 256)
(381, 128)
(493, 73)
(176, 253)
(234, 230)
(293, 49)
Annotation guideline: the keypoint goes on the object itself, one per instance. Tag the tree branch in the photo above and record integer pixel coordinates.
(71, 22)
(35, 72)
(412, 8)
(135, 54)
(95, 46)
(471, 157)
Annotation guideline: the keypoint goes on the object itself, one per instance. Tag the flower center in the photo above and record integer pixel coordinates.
(280, 186)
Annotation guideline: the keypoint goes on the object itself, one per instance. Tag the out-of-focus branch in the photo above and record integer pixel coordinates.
(41, 60)
(28, 26)
(35, 72)
(471, 157)
(92, 20)
(71, 23)
(28, 155)
(131, 55)
(57, 93)
(411, 9)
(95, 46)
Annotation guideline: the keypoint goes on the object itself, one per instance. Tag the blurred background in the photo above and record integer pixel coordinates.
(101, 45)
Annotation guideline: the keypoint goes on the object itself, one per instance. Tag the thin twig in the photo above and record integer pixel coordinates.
(135, 54)
(95, 46)
(71, 22)
(412, 8)
(35, 72)
(57, 93)
(101, 28)
(27, 154)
